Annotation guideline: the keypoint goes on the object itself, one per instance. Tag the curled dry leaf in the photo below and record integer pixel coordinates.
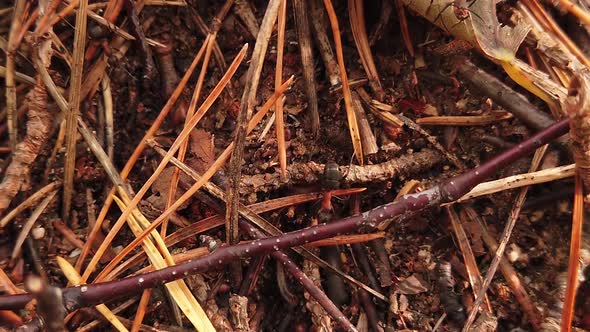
(475, 22)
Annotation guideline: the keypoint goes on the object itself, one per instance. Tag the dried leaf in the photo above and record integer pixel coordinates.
(414, 284)
(203, 150)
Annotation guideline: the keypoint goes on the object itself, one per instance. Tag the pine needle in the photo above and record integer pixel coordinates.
(279, 116)
(160, 258)
(352, 122)
(74, 278)
(574, 258)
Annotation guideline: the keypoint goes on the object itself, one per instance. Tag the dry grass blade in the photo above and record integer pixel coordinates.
(352, 122)
(29, 202)
(74, 108)
(403, 23)
(359, 32)
(11, 107)
(137, 152)
(520, 180)
(183, 135)
(505, 237)
(279, 116)
(74, 278)
(475, 120)
(468, 257)
(194, 188)
(574, 258)
(160, 258)
(28, 225)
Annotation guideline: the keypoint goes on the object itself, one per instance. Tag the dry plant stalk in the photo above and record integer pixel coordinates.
(359, 31)
(577, 106)
(520, 180)
(74, 108)
(465, 120)
(245, 112)
(320, 28)
(279, 114)
(473, 273)
(28, 225)
(368, 139)
(244, 10)
(301, 12)
(350, 115)
(29, 202)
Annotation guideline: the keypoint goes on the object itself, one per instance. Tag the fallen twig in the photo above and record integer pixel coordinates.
(77, 297)
(311, 172)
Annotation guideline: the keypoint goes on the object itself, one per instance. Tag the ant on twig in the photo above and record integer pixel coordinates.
(461, 12)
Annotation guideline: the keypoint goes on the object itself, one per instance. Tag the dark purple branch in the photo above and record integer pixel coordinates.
(90, 295)
(302, 278)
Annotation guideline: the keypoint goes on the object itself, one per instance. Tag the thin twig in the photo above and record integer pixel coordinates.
(29, 202)
(447, 191)
(28, 225)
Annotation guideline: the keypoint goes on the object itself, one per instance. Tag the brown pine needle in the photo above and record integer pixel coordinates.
(475, 120)
(575, 10)
(74, 108)
(190, 112)
(468, 257)
(574, 258)
(206, 177)
(352, 123)
(403, 23)
(279, 116)
(347, 239)
(551, 25)
(359, 32)
(132, 205)
(209, 223)
(138, 151)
